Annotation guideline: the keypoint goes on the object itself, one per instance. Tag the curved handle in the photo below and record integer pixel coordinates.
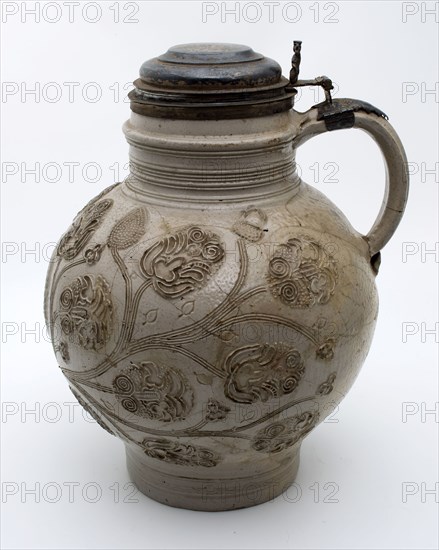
(350, 113)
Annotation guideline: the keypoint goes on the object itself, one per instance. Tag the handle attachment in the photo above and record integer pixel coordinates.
(337, 114)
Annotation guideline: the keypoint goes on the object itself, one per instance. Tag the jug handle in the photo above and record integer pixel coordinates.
(350, 113)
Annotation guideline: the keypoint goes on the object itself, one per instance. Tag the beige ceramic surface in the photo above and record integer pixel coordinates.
(211, 309)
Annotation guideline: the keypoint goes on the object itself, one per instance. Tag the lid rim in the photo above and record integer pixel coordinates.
(193, 78)
(213, 112)
(149, 88)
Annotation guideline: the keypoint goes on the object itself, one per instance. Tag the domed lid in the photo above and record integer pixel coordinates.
(210, 81)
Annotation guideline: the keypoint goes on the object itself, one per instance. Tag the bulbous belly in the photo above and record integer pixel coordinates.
(205, 337)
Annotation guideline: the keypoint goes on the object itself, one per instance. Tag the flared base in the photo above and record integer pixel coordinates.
(188, 489)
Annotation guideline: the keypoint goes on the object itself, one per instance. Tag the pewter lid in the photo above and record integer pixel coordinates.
(210, 81)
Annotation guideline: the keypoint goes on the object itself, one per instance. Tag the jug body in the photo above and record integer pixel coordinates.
(212, 309)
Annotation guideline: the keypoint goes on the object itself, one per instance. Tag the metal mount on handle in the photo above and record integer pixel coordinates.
(343, 113)
(324, 81)
(337, 113)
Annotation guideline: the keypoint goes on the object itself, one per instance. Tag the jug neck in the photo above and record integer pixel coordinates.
(210, 161)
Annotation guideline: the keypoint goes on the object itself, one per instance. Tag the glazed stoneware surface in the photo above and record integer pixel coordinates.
(212, 309)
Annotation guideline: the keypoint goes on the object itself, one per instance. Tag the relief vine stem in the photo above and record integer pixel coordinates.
(192, 431)
(308, 333)
(134, 308)
(222, 309)
(213, 315)
(200, 331)
(72, 375)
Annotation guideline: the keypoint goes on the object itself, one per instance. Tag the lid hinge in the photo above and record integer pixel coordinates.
(324, 81)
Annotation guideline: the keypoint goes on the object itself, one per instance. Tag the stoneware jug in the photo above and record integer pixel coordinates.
(213, 308)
